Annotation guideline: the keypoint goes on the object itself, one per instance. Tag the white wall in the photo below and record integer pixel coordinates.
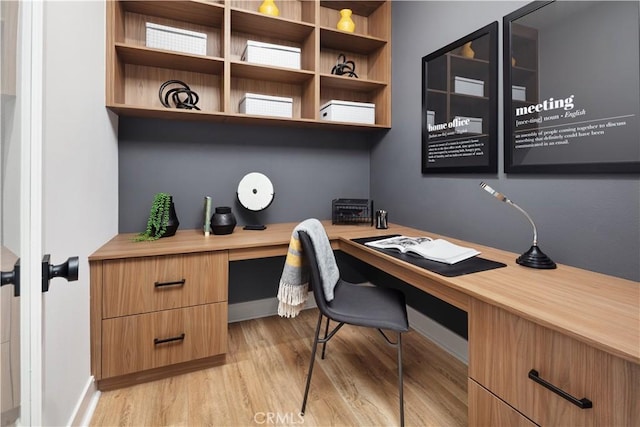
(80, 186)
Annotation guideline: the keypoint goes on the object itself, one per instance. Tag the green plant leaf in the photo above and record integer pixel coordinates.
(158, 218)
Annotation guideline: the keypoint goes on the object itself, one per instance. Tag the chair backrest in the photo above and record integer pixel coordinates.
(315, 280)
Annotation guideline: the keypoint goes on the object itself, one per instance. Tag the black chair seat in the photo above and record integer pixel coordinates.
(369, 306)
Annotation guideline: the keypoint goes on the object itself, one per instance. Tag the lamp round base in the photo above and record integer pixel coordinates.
(535, 258)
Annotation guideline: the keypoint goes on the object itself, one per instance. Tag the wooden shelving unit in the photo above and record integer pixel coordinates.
(135, 72)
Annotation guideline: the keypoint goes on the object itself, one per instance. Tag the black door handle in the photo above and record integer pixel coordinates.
(13, 276)
(68, 269)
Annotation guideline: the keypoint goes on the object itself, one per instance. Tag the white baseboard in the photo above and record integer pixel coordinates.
(449, 341)
(86, 405)
(430, 329)
(259, 308)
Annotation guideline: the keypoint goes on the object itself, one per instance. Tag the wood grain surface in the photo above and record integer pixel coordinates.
(264, 376)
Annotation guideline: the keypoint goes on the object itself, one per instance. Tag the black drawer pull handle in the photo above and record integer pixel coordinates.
(583, 403)
(175, 282)
(157, 341)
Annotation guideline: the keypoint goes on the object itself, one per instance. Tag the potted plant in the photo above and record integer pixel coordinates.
(163, 221)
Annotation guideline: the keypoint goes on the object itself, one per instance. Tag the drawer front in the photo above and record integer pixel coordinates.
(146, 341)
(142, 285)
(504, 349)
(487, 410)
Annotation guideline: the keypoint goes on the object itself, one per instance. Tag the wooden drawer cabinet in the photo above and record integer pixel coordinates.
(504, 349)
(142, 285)
(154, 316)
(485, 409)
(146, 341)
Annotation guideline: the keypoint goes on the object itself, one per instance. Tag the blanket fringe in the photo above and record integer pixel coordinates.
(292, 299)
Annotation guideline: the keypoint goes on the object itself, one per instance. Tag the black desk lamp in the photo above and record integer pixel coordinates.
(534, 257)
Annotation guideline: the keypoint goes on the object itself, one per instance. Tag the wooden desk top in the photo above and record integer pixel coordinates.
(602, 311)
(259, 243)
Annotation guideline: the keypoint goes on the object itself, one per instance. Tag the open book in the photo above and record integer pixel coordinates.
(436, 250)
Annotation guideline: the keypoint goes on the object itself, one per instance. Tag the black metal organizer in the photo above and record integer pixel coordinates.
(352, 211)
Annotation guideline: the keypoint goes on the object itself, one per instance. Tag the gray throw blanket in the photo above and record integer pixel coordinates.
(294, 282)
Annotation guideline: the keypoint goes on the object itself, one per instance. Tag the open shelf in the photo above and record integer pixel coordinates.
(235, 118)
(219, 76)
(169, 59)
(267, 73)
(275, 27)
(334, 39)
(195, 12)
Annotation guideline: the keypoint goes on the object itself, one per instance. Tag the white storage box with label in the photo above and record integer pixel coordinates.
(431, 117)
(518, 93)
(346, 111)
(265, 105)
(271, 54)
(471, 124)
(170, 38)
(468, 86)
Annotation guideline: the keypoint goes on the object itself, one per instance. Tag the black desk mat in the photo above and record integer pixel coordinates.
(468, 266)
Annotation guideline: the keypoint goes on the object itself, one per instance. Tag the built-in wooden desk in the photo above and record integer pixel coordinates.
(579, 330)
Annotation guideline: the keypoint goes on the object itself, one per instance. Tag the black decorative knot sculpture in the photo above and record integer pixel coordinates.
(343, 67)
(181, 95)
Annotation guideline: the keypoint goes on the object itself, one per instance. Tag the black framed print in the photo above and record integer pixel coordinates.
(572, 87)
(459, 105)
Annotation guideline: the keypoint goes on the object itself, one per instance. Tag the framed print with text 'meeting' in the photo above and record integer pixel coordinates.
(572, 87)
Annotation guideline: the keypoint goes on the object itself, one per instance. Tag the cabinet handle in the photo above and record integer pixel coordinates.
(173, 283)
(583, 403)
(157, 341)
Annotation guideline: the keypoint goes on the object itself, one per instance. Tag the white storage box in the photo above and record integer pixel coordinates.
(518, 93)
(431, 117)
(474, 125)
(346, 111)
(170, 38)
(271, 54)
(468, 86)
(265, 105)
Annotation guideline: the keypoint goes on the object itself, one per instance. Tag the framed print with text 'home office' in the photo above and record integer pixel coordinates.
(459, 105)
(571, 87)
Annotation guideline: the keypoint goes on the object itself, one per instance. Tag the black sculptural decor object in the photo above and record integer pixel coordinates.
(255, 193)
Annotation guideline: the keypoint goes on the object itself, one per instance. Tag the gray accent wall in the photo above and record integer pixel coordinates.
(588, 221)
(308, 168)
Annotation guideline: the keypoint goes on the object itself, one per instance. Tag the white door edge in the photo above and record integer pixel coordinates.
(31, 53)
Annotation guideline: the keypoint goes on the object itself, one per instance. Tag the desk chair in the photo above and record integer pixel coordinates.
(355, 304)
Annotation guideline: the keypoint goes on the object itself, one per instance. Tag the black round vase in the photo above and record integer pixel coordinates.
(223, 221)
(172, 225)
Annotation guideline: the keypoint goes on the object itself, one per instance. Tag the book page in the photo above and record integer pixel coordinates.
(443, 251)
(402, 243)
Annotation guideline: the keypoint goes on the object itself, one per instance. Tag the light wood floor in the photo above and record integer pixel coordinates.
(262, 383)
